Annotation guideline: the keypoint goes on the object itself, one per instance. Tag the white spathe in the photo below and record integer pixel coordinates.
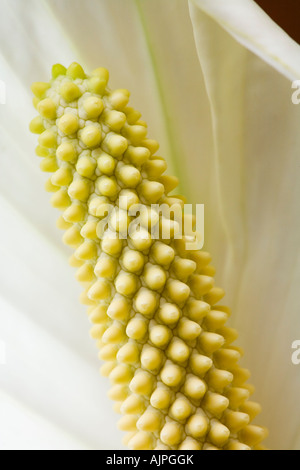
(256, 159)
(228, 129)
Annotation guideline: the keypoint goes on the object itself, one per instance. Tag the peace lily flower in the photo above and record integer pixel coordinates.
(213, 81)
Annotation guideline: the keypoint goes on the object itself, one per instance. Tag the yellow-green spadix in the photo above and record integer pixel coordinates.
(154, 307)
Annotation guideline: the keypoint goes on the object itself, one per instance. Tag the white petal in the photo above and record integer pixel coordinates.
(22, 429)
(31, 41)
(256, 161)
(254, 29)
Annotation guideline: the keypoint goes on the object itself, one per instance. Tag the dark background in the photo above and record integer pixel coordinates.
(286, 13)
